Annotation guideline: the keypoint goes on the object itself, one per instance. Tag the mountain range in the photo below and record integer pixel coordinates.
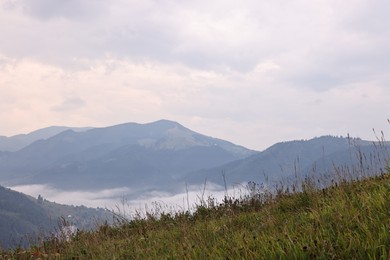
(290, 160)
(164, 155)
(139, 156)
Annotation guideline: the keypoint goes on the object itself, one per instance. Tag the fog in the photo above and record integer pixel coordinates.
(119, 200)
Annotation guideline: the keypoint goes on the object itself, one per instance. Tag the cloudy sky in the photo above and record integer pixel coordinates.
(252, 72)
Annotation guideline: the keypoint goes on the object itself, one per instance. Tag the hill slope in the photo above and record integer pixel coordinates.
(345, 221)
(23, 218)
(19, 216)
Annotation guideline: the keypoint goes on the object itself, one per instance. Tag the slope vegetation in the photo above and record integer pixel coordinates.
(348, 220)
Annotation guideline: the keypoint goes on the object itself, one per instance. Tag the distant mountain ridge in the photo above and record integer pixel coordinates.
(20, 141)
(165, 156)
(140, 156)
(287, 160)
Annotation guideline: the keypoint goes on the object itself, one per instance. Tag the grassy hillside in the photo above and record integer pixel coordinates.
(349, 220)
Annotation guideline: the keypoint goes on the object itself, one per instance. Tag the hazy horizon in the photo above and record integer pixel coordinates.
(375, 133)
(253, 73)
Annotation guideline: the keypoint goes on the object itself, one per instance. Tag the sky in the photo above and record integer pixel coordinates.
(251, 72)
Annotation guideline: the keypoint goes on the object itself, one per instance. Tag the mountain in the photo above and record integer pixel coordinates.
(139, 156)
(24, 219)
(17, 142)
(287, 160)
(164, 156)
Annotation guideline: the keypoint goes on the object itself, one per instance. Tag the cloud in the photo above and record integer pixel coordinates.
(46, 10)
(209, 36)
(252, 109)
(70, 103)
(103, 198)
(242, 71)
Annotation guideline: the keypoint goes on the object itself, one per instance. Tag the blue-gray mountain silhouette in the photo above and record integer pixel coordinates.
(139, 156)
(165, 155)
(293, 160)
(17, 142)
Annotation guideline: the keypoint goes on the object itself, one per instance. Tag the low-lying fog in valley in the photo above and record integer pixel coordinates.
(120, 199)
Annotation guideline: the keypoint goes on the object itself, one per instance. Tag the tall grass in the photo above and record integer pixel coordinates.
(348, 220)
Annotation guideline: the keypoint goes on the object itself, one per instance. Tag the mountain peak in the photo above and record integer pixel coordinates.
(165, 123)
(159, 125)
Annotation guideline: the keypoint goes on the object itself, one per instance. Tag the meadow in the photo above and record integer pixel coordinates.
(348, 219)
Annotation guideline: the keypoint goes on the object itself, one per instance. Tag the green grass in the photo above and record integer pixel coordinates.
(349, 220)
